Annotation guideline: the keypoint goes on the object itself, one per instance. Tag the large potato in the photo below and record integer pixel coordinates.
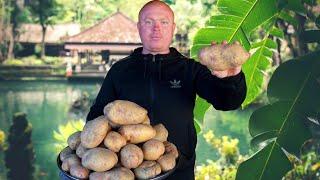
(152, 149)
(146, 121)
(74, 140)
(81, 150)
(114, 141)
(65, 153)
(99, 159)
(119, 173)
(161, 132)
(79, 171)
(71, 160)
(125, 112)
(167, 162)
(97, 176)
(94, 132)
(137, 133)
(171, 149)
(221, 57)
(147, 170)
(131, 156)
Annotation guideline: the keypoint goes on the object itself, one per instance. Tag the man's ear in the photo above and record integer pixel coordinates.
(138, 24)
(174, 27)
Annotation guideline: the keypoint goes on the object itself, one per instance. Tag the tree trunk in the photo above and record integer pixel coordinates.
(43, 45)
(11, 43)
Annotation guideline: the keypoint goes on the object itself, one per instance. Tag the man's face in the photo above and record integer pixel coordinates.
(156, 26)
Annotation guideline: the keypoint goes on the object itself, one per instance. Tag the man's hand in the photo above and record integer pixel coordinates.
(212, 60)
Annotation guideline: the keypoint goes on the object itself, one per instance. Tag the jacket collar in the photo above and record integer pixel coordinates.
(173, 54)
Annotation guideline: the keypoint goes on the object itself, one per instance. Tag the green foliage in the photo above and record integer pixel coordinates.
(235, 21)
(34, 60)
(64, 131)
(2, 140)
(229, 158)
(19, 157)
(294, 95)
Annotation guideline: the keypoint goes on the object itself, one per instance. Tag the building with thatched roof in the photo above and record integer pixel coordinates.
(31, 35)
(114, 37)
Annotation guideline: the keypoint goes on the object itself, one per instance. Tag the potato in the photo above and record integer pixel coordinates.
(167, 162)
(97, 176)
(120, 173)
(146, 121)
(65, 153)
(171, 149)
(79, 172)
(94, 132)
(125, 112)
(71, 160)
(152, 149)
(81, 150)
(147, 170)
(74, 140)
(161, 132)
(131, 156)
(114, 141)
(221, 57)
(137, 133)
(99, 159)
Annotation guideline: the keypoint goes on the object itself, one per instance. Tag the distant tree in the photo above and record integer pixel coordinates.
(19, 157)
(44, 12)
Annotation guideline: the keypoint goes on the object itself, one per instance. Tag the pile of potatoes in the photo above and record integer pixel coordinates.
(121, 144)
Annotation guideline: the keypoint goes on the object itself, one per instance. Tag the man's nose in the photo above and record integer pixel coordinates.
(156, 25)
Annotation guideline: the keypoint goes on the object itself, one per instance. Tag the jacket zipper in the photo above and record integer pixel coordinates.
(152, 88)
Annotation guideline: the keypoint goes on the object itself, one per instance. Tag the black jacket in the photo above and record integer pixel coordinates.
(166, 85)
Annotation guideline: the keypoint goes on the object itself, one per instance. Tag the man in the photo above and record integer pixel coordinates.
(165, 83)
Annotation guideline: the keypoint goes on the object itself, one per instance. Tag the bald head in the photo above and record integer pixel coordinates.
(155, 4)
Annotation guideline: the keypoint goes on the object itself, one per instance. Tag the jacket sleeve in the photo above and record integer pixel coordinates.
(223, 93)
(106, 94)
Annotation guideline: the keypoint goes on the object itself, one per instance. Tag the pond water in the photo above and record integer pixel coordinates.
(47, 105)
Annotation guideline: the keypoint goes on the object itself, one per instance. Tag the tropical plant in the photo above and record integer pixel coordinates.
(64, 131)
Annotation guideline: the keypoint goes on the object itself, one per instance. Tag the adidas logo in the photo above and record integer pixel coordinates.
(175, 84)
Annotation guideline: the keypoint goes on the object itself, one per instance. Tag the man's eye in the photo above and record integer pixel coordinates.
(164, 22)
(148, 22)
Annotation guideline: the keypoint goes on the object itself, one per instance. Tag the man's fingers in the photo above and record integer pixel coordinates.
(224, 42)
(237, 42)
(213, 43)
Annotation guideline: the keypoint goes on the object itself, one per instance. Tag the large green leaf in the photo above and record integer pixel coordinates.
(269, 163)
(235, 21)
(255, 68)
(294, 95)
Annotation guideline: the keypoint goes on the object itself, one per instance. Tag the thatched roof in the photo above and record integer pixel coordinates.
(118, 28)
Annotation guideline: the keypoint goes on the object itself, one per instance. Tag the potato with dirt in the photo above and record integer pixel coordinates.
(71, 160)
(79, 171)
(94, 132)
(221, 57)
(65, 153)
(167, 162)
(152, 149)
(99, 159)
(119, 173)
(114, 141)
(147, 170)
(74, 140)
(170, 148)
(137, 133)
(81, 150)
(124, 112)
(161, 132)
(131, 156)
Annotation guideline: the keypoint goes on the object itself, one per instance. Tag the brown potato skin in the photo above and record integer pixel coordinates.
(114, 141)
(74, 140)
(99, 159)
(161, 132)
(153, 149)
(124, 112)
(119, 173)
(71, 160)
(221, 57)
(81, 150)
(137, 133)
(131, 156)
(170, 148)
(94, 132)
(65, 153)
(147, 170)
(97, 176)
(79, 171)
(167, 162)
